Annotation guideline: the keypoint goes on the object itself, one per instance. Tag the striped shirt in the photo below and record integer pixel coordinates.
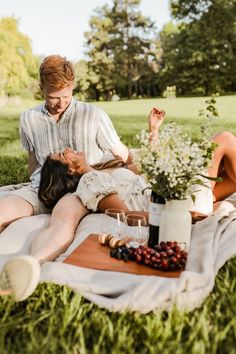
(83, 127)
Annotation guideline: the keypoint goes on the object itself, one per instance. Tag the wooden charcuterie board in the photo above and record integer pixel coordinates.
(91, 254)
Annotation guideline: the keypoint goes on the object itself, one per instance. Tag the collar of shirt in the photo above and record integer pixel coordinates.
(67, 111)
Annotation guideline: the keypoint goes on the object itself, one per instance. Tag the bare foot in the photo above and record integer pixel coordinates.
(197, 216)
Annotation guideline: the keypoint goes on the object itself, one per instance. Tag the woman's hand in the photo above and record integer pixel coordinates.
(155, 120)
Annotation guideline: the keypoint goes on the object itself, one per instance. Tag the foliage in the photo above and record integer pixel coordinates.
(82, 81)
(209, 113)
(199, 54)
(18, 66)
(173, 165)
(196, 53)
(189, 9)
(121, 50)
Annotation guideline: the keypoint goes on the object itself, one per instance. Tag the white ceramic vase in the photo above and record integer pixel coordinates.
(176, 223)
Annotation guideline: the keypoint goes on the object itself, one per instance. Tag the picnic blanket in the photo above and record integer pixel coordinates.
(213, 243)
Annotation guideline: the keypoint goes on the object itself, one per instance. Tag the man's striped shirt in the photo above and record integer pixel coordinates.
(83, 127)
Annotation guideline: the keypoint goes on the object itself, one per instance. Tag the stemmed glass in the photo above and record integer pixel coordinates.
(114, 222)
(136, 230)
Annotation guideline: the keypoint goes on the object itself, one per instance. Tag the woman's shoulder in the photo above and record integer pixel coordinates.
(95, 173)
(98, 177)
(94, 177)
(123, 173)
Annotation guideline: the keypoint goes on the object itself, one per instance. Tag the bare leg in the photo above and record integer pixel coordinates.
(60, 233)
(13, 208)
(224, 165)
(47, 246)
(224, 189)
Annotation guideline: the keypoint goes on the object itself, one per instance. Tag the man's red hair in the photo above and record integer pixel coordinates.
(57, 72)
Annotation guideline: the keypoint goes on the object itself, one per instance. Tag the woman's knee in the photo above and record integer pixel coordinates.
(69, 210)
(12, 208)
(224, 138)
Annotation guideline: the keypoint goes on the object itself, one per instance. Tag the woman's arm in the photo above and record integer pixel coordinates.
(155, 120)
(113, 201)
(133, 167)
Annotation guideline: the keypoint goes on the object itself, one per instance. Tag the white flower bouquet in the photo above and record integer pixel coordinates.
(175, 164)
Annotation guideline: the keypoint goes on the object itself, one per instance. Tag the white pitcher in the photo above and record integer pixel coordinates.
(176, 223)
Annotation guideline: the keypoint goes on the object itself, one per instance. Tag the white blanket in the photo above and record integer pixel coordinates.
(213, 243)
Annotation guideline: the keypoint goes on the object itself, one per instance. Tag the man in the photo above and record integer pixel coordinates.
(59, 122)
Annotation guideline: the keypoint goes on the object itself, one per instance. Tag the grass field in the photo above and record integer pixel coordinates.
(56, 320)
(130, 116)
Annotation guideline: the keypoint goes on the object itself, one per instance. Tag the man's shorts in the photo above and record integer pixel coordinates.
(26, 192)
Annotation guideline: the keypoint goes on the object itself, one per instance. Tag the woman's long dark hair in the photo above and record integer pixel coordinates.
(55, 182)
(56, 179)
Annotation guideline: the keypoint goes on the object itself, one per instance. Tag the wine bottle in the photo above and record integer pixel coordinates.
(156, 207)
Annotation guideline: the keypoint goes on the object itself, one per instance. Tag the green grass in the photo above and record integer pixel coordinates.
(131, 116)
(56, 320)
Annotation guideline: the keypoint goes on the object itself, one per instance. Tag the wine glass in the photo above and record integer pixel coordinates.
(136, 231)
(114, 221)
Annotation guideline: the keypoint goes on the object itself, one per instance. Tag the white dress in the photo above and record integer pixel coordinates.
(203, 199)
(95, 185)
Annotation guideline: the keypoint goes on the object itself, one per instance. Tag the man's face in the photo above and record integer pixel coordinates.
(57, 101)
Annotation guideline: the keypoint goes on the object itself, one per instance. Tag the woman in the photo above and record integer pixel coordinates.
(114, 185)
(107, 185)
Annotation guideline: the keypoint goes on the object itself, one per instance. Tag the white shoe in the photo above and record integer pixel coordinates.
(20, 277)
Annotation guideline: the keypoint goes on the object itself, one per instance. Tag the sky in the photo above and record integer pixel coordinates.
(57, 27)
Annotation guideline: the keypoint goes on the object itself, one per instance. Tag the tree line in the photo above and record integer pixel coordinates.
(126, 57)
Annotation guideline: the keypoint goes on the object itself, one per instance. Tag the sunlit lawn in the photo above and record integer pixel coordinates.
(131, 116)
(56, 320)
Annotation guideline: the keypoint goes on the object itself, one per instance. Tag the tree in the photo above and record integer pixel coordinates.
(200, 57)
(100, 64)
(82, 80)
(18, 66)
(169, 38)
(189, 10)
(120, 49)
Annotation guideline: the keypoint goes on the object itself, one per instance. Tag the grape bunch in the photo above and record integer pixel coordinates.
(123, 253)
(166, 256)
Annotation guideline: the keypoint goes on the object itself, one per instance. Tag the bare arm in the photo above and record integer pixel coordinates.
(32, 162)
(120, 150)
(114, 201)
(133, 167)
(155, 120)
(129, 160)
